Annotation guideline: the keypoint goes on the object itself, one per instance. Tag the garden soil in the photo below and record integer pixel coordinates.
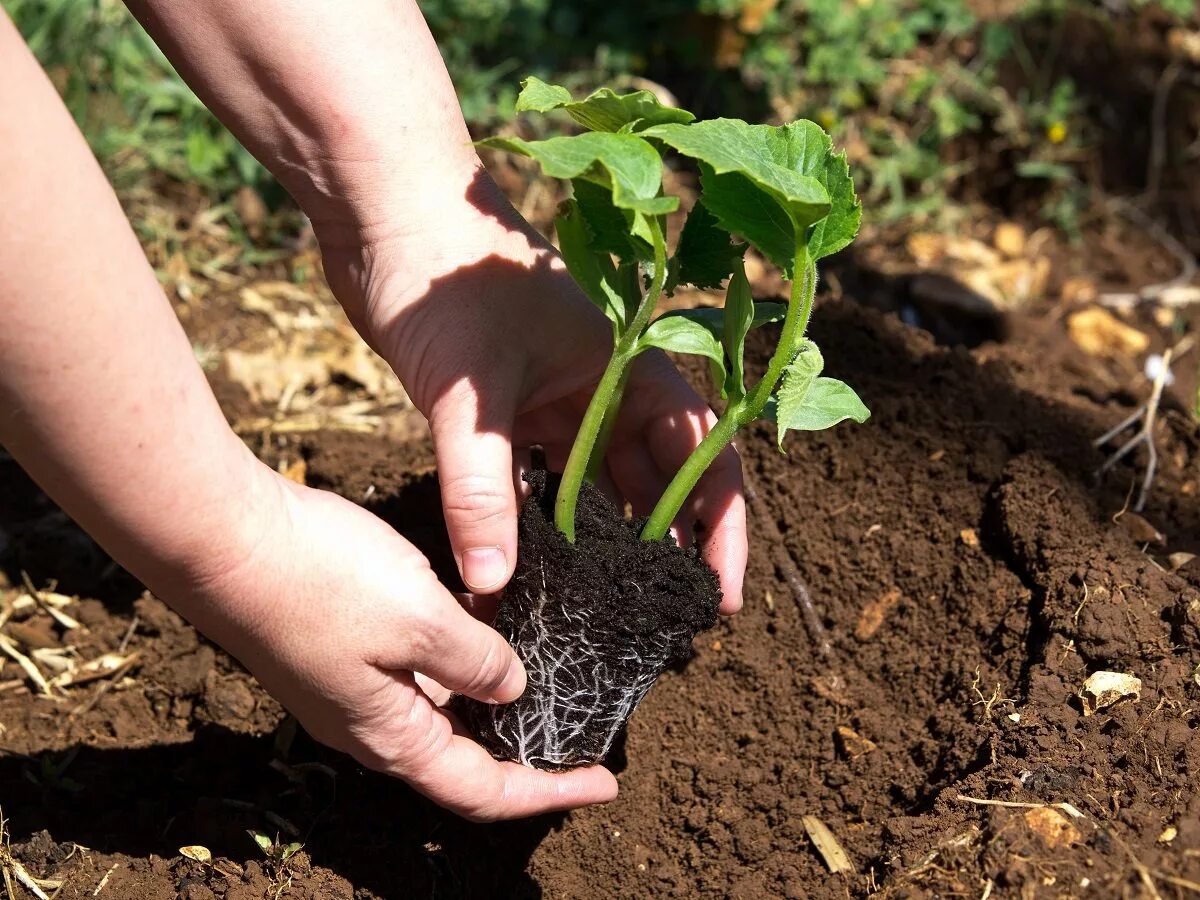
(966, 575)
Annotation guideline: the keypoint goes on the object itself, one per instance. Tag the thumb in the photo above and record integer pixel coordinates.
(478, 497)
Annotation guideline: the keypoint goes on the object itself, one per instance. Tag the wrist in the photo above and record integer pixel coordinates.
(421, 247)
(221, 534)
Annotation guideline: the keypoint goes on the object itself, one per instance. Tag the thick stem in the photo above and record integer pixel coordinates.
(596, 463)
(608, 394)
(739, 414)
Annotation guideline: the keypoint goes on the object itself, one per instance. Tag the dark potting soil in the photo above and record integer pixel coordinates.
(967, 575)
(595, 623)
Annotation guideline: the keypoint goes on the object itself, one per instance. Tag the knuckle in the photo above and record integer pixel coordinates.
(492, 668)
(476, 499)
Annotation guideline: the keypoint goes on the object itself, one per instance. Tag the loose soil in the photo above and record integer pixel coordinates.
(966, 573)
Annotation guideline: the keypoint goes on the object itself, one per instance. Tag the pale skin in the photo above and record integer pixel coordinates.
(102, 402)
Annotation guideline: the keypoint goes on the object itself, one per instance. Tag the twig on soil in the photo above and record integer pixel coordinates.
(48, 608)
(27, 665)
(1139, 867)
(104, 880)
(129, 633)
(787, 568)
(112, 679)
(1162, 290)
(1014, 804)
(1147, 414)
(827, 845)
(1158, 126)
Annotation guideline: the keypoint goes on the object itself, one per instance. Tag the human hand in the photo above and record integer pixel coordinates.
(501, 351)
(335, 614)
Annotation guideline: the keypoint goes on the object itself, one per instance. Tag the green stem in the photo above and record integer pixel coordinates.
(596, 463)
(608, 393)
(739, 414)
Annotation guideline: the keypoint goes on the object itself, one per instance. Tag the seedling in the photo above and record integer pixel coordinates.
(781, 190)
(278, 856)
(597, 620)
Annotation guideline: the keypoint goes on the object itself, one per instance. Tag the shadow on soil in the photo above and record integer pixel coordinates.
(366, 827)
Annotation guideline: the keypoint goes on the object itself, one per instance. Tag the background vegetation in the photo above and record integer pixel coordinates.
(932, 97)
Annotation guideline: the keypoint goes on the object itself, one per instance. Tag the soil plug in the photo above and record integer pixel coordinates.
(599, 605)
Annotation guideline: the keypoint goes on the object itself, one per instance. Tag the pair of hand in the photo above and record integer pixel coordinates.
(335, 613)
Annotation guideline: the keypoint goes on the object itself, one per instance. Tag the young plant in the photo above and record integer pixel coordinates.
(781, 189)
(599, 605)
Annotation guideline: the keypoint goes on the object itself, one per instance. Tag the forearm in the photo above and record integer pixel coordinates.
(101, 399)
(352, 108)
(349, 105)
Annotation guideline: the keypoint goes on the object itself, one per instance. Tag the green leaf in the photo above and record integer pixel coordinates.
(680, 334)
(762, 182)
(827, 403)
(538, 96)
(805, 401)
(609, 226)
(736, 324)
(838, 229)
(798, 379)
(713, 317)
(265, 844)
(706, 255)
(592, 270)
(625, 163)
(604, 110)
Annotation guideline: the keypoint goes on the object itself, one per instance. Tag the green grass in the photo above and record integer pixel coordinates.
(900, 82)
(138, 115)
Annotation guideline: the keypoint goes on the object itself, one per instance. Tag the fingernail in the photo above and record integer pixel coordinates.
(483, 567)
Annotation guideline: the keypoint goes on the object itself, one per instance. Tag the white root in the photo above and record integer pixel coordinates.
(580, 690)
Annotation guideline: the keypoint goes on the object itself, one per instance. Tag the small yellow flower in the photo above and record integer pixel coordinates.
(1057, 132)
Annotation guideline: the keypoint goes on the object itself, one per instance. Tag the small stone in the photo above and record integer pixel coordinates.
(1099, 333)
(970, 538)
(1078, 290)
(1140, 529)
(854, 744)
(1105, 689)
(1052, 827)
(873, 614)
(1009, 239)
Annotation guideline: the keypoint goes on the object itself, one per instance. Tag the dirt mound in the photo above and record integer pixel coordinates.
(967, 577)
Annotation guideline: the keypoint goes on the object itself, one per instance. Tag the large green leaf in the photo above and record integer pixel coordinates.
(625, 163)
(759, 180)
(706, 255)
(603, 110)
(592, 270)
